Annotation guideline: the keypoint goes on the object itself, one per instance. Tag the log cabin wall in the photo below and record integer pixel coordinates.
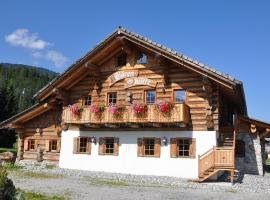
(202, 101)
(43, 130)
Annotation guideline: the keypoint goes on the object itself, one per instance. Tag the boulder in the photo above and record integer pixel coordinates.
(7, 157)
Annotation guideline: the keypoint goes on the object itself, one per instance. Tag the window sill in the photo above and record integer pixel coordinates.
(185, 157)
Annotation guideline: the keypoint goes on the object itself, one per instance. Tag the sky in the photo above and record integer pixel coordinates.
(231, 36)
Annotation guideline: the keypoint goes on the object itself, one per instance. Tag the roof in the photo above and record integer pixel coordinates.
(172, 52)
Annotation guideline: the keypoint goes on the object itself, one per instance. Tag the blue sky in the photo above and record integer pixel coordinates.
(231, 36)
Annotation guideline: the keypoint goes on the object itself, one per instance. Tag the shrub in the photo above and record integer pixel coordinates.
(3, 177)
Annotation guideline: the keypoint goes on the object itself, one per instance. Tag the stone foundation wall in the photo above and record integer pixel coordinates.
(252, 163)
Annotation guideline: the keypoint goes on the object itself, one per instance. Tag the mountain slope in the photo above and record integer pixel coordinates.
(24, 81)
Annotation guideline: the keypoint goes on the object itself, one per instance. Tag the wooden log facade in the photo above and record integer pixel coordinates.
(122, 70)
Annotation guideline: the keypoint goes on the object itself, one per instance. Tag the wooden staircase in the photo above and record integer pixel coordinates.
(218, 158)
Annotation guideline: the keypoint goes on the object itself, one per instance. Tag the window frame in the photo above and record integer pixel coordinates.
(145, 97)
(30, 144)
(86, 99)
(174, 96)
(144, 145)
(139, 60)
(82, 142)
(105, 146)
(184, 150)
(122, 54)
(108, 97)
(51, 145)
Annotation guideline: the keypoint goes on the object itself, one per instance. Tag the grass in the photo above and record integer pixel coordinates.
(37, 196)
(37, 175)
(112, 183)
(267, 162)
(50, 166)
(13, 150)
(12, 167)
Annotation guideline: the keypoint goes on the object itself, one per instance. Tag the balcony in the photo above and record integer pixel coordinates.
(179, 114)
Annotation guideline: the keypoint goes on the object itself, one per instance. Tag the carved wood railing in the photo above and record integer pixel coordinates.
(179, 114)
(216, 158)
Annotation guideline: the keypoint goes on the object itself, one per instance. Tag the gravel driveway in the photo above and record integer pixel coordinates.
(75, 184)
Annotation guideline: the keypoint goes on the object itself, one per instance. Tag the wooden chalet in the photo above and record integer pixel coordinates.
(131, 105)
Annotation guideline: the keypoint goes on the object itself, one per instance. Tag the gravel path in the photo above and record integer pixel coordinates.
(75, 184)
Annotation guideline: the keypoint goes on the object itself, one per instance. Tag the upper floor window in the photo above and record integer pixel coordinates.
(179, 96)
(141, 58)
(121, 60)
(150, 97)
(112, 98)
(87, 101)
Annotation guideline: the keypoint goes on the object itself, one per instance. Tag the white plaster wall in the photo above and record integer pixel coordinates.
(127, 160)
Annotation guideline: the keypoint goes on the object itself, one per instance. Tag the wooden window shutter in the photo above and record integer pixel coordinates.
(116, 146)
(58, 146)
(101, 148)
(192, 147)
(157, 147)
(47, 145)
(26, 145)
(173, 146)
(88, 146)
(140, 147)
(76, 144)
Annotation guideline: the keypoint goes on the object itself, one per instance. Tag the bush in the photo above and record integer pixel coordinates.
(3, 177)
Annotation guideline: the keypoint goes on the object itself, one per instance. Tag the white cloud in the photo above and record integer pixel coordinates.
(23, 38)
(57, 58)
(39, 49)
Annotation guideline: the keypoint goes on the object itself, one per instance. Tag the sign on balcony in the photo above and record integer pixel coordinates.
(140, 81)
(117, 76)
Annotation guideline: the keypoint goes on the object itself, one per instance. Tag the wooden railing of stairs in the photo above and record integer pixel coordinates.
(218, 159)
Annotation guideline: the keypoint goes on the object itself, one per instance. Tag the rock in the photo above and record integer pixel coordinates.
(7, 157)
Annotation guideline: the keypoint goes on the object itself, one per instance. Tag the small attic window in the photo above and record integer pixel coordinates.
(121, 59)
(141, 58)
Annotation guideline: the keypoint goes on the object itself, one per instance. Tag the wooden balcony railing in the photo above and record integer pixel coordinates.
(179, 114)
(216, 158)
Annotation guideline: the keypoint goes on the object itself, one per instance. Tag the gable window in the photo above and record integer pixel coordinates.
(121, 60)
(240, 148)
(112, 98)
(183, 147)
(32, 144)
(82, 145)
(141, 58)
(87, 101)
(179, 96)
(150, 97)
(108, 146)
(148, 147)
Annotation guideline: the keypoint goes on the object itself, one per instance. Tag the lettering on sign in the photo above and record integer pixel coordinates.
(117, 76)
(140, 81)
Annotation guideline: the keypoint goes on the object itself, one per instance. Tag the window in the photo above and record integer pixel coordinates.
(108, 146)
(179, 96)
(32, 144)
(141, 58)
(53, 145)
(149, 147)
(150, 97)
(183, 147)
(82, 145)
(112, 98)
(121, 59)
(240, 148)
(87, 101)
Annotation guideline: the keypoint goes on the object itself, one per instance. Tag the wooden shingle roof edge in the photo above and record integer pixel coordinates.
(208, 71)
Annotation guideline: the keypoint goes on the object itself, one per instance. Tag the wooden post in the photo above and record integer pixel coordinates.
(199, 166)
(232, 175)
(20, 144)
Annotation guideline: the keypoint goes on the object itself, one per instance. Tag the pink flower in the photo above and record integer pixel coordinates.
(138, 108)
(164, 106)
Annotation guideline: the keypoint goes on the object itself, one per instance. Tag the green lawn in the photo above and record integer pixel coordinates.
(13, 150)
(267, 162)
